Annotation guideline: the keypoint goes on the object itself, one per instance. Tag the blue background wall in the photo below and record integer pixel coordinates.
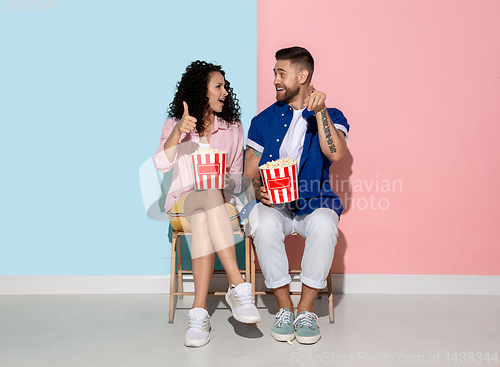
(84, 90)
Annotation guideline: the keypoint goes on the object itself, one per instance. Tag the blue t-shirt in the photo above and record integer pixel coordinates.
(266, 133)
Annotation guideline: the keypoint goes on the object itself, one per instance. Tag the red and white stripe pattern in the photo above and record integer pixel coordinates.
(282, 184)
(209, 170)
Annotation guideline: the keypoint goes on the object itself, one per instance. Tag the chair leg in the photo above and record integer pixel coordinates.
(172, 277)
(330, 297)
(247, 263)
(180, 275)
(252, 265)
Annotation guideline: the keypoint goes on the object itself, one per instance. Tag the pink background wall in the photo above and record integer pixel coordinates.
(419, 82)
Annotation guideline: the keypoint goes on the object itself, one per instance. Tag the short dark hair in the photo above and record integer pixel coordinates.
(299, 56)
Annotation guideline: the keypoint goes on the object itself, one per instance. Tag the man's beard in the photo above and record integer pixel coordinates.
(289, 94)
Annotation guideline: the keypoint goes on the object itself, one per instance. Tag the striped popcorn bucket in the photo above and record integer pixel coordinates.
(282, 183)
(208, 170)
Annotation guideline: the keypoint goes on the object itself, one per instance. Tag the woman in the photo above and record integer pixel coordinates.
(205, 114)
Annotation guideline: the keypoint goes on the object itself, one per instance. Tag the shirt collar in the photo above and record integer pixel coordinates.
(219, 124)
(306, 113)
(284, 108)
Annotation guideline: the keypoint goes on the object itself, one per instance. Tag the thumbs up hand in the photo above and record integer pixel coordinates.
(187, 123)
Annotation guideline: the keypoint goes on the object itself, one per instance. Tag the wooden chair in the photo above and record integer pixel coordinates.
(177, 256)
(329, 290)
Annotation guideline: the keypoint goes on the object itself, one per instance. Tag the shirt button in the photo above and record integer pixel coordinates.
(277, 140)
(282, 114)
(270, 155)
(285, 125)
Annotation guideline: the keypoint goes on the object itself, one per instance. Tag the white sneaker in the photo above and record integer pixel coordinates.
(240, 300)
(198, 333)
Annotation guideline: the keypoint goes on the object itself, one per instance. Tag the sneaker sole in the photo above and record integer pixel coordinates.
(282, 337)
(238, 318)
(308, 339)
(196, 343)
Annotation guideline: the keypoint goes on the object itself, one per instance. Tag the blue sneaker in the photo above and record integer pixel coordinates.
(283, 329)
(306, 328)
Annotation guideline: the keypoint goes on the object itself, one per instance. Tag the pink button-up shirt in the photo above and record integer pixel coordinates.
(225, 137)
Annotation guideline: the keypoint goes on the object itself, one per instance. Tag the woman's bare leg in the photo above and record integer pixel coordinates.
(215, 229)
(203, 265)
(228, 260)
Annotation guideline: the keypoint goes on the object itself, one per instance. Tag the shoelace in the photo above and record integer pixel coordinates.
(245, 298)
(283, 317)
(197, 323)
(305, 319)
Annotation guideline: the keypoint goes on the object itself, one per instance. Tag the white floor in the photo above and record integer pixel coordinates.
(133, 330)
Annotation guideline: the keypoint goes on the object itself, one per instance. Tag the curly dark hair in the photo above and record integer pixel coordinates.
(193, 87)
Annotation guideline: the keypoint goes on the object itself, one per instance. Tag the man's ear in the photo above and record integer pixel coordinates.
(303, 75)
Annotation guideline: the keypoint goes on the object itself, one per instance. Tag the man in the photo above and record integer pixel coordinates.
(297, 126)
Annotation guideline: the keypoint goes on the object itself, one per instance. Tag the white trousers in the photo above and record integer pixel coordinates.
(270, 226)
